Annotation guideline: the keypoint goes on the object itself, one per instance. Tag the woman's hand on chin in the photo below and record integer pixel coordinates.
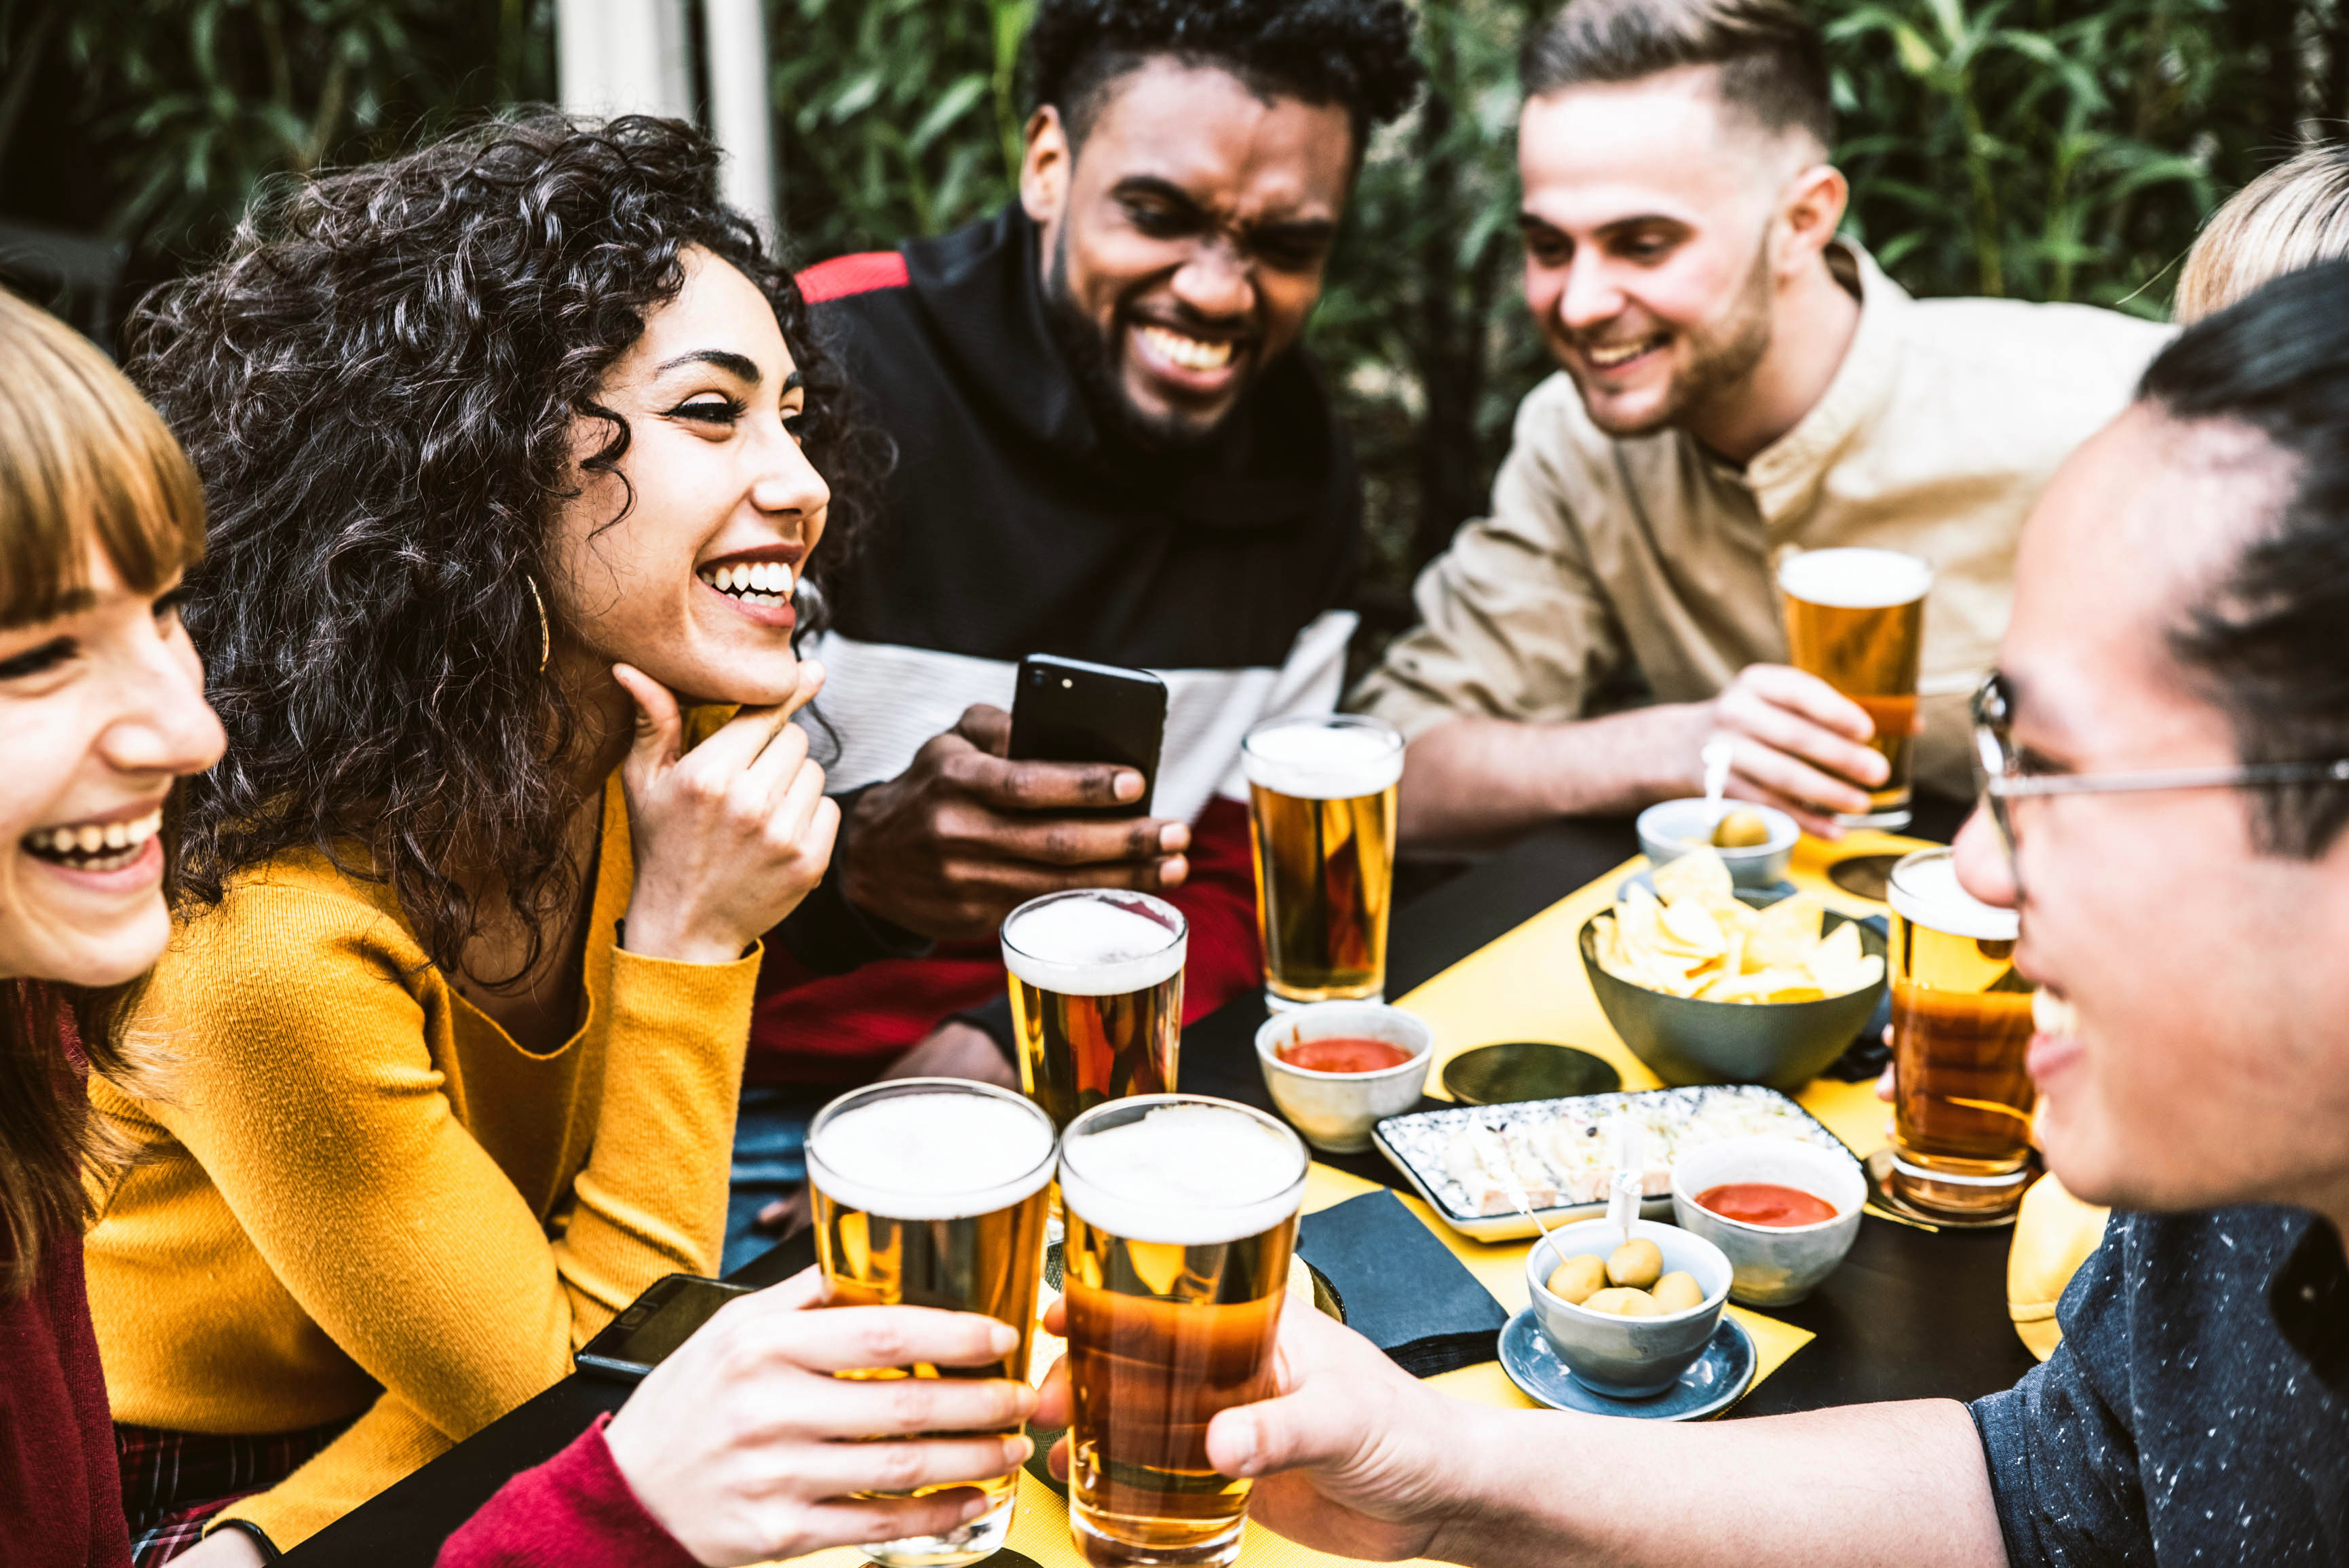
(729, 837)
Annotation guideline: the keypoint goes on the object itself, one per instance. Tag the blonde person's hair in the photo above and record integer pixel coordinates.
(83, 460)
(2294, 216)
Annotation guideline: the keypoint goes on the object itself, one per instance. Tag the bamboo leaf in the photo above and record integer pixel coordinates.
(951, 106)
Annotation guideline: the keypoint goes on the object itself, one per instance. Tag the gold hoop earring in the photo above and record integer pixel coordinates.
(545, 637)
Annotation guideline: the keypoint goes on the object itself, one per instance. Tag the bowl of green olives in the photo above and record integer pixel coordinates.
(1755, 841)
(1626, 1315)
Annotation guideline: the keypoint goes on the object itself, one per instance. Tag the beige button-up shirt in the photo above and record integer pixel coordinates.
(1651, 561)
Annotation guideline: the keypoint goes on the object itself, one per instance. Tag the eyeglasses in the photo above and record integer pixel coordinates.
(1999, 767)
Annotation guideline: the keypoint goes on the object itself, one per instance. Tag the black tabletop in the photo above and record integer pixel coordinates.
(1909, 1315)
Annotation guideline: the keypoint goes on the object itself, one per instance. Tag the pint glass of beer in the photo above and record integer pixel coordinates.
(1855, 619)
(1322, 815)
(1096, 996)
(932, 1192)
(1181, 1213)
(1960, 1028)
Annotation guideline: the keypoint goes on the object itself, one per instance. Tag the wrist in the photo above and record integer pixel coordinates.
(1472, 1481)
(651, 936)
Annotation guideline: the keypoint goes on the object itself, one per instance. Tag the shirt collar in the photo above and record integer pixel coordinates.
(1785, 475)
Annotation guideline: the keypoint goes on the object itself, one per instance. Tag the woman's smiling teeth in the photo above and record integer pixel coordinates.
(95, 846)
(765, 583)
(1188, 353)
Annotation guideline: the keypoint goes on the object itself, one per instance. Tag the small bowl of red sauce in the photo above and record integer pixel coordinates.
(1785, 1211)
(1336, 1068)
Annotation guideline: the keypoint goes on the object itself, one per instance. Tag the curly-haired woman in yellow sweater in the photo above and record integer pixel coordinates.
(513, 449)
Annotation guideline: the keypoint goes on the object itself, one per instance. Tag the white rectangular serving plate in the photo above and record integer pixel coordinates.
(1413, 1144)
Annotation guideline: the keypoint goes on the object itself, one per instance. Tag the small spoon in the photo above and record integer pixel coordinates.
(1716, 756)
(1624, 1188)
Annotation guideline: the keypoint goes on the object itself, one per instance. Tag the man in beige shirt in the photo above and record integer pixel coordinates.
(1738, 384)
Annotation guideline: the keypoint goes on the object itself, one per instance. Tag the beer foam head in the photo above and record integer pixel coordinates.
(1855, 578)
(1083, 945)
(1313, 759)
(1187, 1174)
(1926, 893)
(932, 1154)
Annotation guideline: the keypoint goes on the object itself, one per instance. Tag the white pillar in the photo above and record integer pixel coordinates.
(622, 57)
(735, 31)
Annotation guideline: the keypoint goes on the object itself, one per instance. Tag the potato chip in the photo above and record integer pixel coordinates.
(1698, 872)
(1697, 930)
(1786, 930)
(1698, 938)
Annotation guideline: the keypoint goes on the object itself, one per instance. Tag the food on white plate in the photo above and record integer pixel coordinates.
(1557, 1152)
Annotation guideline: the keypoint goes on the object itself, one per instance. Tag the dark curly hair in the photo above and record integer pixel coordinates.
(1354, 52)
(378, 386)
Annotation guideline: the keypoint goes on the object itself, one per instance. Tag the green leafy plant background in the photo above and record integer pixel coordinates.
(2061, 150)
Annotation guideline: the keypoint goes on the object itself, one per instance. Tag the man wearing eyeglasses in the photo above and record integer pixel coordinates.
(2165, 754)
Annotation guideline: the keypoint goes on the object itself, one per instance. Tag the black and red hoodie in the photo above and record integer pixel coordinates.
(1014, 522)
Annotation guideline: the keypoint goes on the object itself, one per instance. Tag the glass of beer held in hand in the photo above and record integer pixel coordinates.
(1961, 1030)
(933, 1192)
(1182, 1213)
(1855, 619)
(1322, 815)
(1096, 996)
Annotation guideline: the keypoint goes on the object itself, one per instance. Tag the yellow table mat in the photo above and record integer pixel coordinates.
(1527, 984)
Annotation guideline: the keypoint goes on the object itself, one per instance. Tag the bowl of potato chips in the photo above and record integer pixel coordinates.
(1709, 983)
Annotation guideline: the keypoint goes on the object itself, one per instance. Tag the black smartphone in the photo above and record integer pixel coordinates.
(1067, 711)
(656, 1322)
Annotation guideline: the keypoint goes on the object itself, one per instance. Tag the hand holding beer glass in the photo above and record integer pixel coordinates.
(1182, 1214)
(1096, 996)
(932, 1192)
(1962, 1026)
(1855, 619)
(1321, 817)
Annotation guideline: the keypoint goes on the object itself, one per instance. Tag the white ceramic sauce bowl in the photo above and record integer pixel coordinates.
(1775, 1265)
(1667, 829)
(1336, 1111)
(1626, 1358)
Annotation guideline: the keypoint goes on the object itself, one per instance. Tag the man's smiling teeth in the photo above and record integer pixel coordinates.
(95, 846)
(767, 583)
(1190, 353)
(1608, 358)
(2052, 1015)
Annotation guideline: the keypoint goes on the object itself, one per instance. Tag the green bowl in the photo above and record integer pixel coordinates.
(1686, 1041)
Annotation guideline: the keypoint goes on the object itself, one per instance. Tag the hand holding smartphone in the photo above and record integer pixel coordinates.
(1067, 711)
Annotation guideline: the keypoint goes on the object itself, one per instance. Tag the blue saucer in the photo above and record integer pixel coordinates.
(1712, 1382)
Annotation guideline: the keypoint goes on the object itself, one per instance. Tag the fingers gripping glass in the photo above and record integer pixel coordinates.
(2001, 768)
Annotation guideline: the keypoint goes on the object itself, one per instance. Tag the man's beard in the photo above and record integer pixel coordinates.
(1720, 358)
(1093, 360)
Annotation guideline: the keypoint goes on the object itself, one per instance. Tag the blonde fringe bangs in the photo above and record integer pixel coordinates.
(83, 460)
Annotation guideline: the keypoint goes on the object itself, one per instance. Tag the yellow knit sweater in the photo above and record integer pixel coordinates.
(364, 1197)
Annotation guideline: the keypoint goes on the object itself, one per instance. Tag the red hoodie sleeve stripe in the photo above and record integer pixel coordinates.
(1218, 901)
(844, 275)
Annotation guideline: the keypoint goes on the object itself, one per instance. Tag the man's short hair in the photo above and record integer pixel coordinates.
(1771, 59)
(1356, 54)
(2268, 643)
